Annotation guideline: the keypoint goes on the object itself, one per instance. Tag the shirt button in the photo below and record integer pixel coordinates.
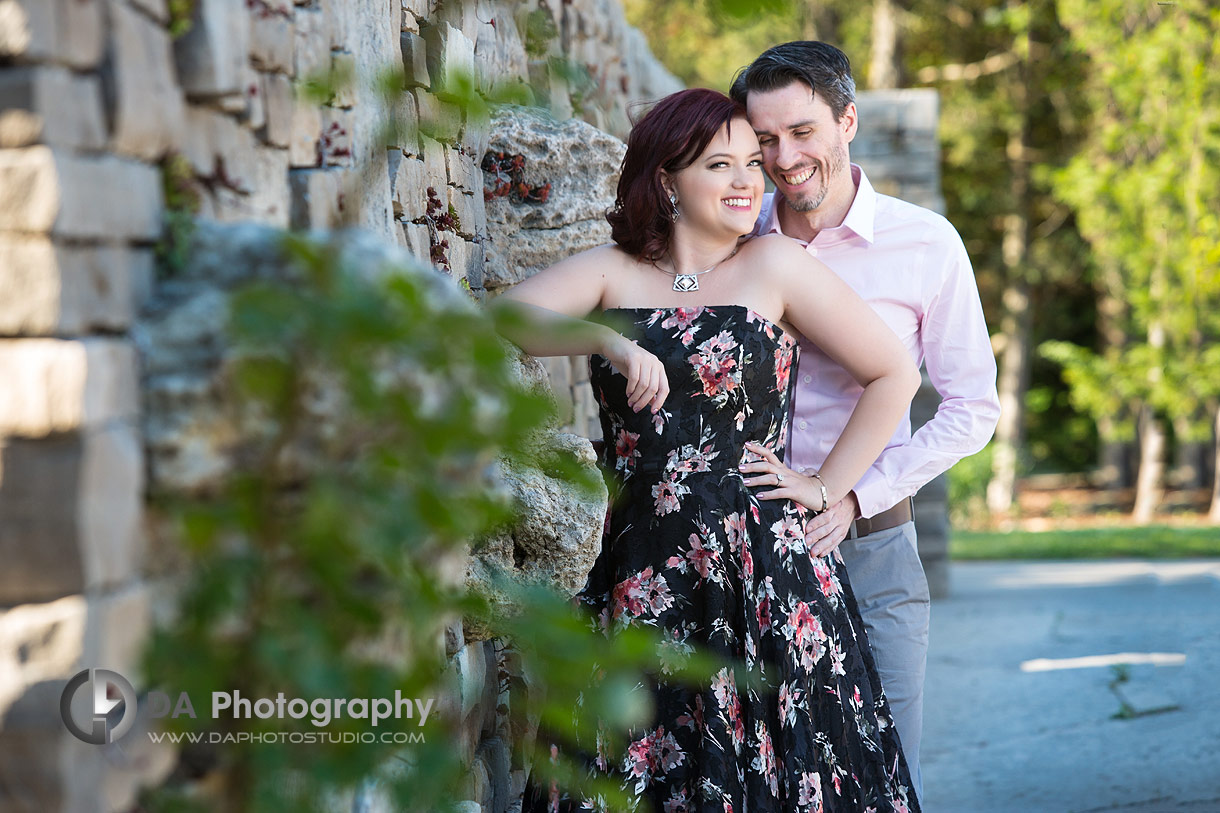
(802, 425)
(807, 379)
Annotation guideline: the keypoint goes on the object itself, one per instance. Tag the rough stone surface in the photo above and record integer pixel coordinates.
(408, 198)
(212, 56)
(279, 105)
(193, 435)
(558, 534)
(66, 290)
(44, 190)
(315, 198)
(54, 385)
(71, 522)
(50, 105)
(146, 100)
(581, 165)
(272, 38)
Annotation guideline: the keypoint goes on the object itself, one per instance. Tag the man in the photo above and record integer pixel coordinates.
(910, 265)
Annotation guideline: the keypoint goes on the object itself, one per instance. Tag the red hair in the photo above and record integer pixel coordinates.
(668, 137)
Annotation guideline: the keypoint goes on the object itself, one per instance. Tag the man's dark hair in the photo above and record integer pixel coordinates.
(823, 67)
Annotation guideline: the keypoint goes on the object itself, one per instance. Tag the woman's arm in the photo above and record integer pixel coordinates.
(544, 316)
(832, 316)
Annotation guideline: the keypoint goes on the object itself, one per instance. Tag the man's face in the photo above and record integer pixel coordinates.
(804, 149)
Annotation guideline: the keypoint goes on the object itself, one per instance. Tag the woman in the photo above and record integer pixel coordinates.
(705, 540)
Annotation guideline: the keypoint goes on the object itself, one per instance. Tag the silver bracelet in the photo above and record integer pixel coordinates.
(825, 494)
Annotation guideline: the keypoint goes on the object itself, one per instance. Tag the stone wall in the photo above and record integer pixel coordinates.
(118, 115)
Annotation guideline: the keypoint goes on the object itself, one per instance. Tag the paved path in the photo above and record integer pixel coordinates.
(1001, 737)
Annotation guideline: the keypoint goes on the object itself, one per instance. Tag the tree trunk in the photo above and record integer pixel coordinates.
(819, 21)
(1113, 471)
(1214, 514)
(885, 64)
(1014, 373)
(1148, 488)
(1016, 321)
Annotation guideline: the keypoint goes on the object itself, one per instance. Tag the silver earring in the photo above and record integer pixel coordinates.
(673, 202)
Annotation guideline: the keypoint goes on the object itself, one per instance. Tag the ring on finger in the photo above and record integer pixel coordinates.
(779, 478)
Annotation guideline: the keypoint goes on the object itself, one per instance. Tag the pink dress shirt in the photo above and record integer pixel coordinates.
(910, 265)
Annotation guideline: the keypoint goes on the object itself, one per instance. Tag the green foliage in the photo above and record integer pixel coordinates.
(968, 488)
(181, 16)
(331, 562)
(1145, 189)
(181, 206)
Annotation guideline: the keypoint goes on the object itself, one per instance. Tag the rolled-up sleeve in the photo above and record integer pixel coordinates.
(960, 365)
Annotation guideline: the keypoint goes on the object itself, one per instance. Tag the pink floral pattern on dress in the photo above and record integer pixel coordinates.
(690, 550)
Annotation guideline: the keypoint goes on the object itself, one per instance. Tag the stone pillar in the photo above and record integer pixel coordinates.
(897, 146)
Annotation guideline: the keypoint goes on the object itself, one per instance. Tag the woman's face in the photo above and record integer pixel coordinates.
(722, 190)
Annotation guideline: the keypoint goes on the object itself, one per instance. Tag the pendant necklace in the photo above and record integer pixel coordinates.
(685, 283)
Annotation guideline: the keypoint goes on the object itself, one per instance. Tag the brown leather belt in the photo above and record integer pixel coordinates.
(889, 518)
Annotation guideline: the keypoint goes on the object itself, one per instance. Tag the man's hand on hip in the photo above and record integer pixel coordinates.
(829, 528)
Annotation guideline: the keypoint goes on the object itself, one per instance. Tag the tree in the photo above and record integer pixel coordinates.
(1009, 117)
(1146, 190)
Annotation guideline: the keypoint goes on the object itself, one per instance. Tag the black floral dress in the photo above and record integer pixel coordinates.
(690, 550)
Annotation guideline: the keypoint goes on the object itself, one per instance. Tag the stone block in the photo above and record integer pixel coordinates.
(406, 124)
(29, 29)
(279, 105)
(409, 197)
(272, 38)
(45, 190)
(343, 66)
(260, 193)
(305, 131)
(117, 629)
(415, 59)
(436, 176)
(62, 290)
(146, 104)
(311, 44)
(463, 206)
(338, 23)
(39, 528)
(270, 199)
(50, 105)
(461, 169)
(65, 31)
(70, 513)
(418, 242)
(212, 56)
(476, 135)
(457, 252)
(221, 150)
(82, 30)
(337, 139)
(39, 642)
(438, 120)
(450, 56)
(466, 260)
(316, 196)
(196, 145)
(110, 507)
(54, 385)
(256, 102)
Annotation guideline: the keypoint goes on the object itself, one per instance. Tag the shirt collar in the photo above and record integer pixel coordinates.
(861, 215)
